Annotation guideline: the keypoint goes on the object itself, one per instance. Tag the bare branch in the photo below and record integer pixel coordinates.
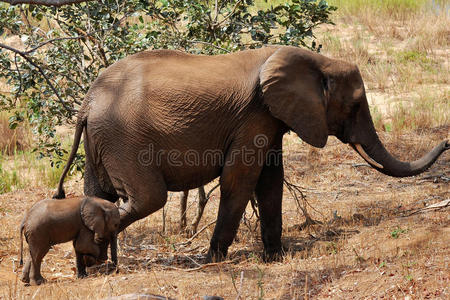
(44, 2)
(216, 11)
(230, 14)
(54, 40)
(20, 77)
(196, 234)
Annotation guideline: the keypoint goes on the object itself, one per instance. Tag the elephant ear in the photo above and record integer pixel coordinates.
(112, 217)
(293, 89)
(92, 215)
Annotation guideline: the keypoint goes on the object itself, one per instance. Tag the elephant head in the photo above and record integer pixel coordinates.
(100, 216)
(316, 96)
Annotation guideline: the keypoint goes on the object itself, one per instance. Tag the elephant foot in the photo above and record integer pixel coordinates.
(38, 280)
(214, 256)
(25, 278)
(182, 225)
(81, 275)
(89, 260)
(273, 255)
(190, 231)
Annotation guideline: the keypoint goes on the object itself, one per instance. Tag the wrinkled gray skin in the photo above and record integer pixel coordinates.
(146, 108)
(89, 222)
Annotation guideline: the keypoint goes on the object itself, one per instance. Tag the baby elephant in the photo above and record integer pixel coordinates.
(90, 222)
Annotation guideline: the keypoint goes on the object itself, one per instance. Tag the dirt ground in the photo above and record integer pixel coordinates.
(367, 246)
(372, 243)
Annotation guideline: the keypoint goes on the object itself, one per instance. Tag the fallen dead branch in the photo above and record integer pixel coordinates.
(294, 190)
(433, 207)
(201, 267)
(196, 234)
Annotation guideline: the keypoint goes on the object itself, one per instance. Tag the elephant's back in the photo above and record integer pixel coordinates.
(47, 218)
(173, 94)
(168, 101)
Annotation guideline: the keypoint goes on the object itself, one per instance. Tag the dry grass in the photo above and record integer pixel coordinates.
(354, 256)
(402, 54)
(13, 140)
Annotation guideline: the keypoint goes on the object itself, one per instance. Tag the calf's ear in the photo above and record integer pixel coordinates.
(93, 216)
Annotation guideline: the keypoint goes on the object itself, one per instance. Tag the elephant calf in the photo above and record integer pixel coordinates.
(91, 223)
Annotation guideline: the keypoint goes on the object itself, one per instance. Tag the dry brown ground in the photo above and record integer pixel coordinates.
(353, 257)
(366, 248)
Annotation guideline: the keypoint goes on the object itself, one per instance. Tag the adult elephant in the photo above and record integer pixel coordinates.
(164, 120)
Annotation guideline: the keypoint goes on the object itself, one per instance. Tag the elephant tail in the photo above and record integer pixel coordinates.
(81, 123)
(21, 241)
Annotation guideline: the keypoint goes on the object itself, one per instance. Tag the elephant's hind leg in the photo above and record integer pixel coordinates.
(26, 272)
(183, 207)
(92, 186)
(37, 254)
(202, 200)
(146, 194)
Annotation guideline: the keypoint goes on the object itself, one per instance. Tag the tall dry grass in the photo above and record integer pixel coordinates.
(11, 140)
(394, 9)
(401, 49)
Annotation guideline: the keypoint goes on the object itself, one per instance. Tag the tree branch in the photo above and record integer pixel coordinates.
(56, 39)
(25, 56)
(230, 14)
(44, 2)
(20, 77)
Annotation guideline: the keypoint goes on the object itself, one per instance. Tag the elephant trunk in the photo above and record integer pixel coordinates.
(98, 238)
(380, 159)
(367, 143)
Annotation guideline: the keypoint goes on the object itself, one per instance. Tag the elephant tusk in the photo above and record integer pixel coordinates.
(364, 155)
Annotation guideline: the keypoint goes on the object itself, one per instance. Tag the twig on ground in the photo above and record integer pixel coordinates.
(200, 267)
(240, 285)
(360, 165)
(294, 189)
(196, 234)
(306, 287)
(191, 259)
(433, 207)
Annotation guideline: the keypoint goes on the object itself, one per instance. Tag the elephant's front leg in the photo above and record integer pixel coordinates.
(269, 193)
(81, 266)
(202, 200)
(237, 184)
(232, 206)
(86, 251)
(113, 243)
